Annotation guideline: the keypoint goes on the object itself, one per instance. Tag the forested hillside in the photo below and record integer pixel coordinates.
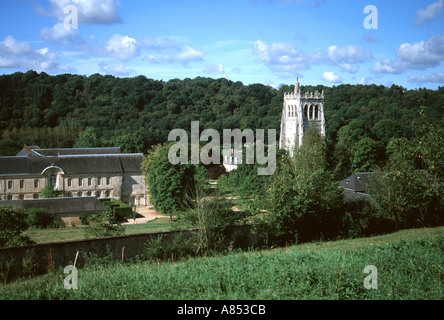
(136, 113)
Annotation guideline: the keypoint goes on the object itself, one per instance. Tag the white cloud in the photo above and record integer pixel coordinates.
(159, 43)
(282, 57)
(89, 11)
(348, 54)
(185, 56)
(151, 59)
(331, 77)
(122, 47)
(11, 46)
(423, 54)
(21, 55)
(169, 50)
(389, 66)
(349, 68)
(369, 38)
(417, 56)
(286, 58)
(365, 81)
(61, 35)
(214, 69)
(117, 70)
(429, 78)
(429, 13)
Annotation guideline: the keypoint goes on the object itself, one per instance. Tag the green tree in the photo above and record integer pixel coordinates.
(312, 155)
(172, 188)
(215, 220)
(42, 219)
(353, 132)
(302, 199)
(403, 154)
(431, 151)
(9, 148)
(364, 155)
(341, 157)
(407, 196)
(87, 139)
(12, 225)
(245, 180)
(49, 192)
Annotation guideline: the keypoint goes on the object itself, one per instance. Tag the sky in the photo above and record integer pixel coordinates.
(272, 42)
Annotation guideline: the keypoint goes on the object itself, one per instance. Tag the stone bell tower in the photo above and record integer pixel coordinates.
(299, 112)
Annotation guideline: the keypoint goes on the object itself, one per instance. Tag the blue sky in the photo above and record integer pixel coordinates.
(254, 41)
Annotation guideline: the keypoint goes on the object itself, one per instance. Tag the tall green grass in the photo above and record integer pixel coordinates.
(412, 268)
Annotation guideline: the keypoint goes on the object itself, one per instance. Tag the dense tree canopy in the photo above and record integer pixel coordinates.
(136, 113)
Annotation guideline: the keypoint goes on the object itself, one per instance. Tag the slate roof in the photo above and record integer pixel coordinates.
(350, 196)
(356, 182)
(73, 164)
(36, 151)
(56, 152)
(355, 186)
(58, 205)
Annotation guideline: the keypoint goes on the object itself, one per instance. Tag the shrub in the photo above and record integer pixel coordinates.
(42, 219)
(12, 224)
(361, 218)
(175, 246)
(122, 211)
(103, 225)
(49, 192)
(84, 219)
(222, 183)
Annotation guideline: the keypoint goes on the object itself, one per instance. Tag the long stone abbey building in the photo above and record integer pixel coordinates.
(299, 112)
(96, 172)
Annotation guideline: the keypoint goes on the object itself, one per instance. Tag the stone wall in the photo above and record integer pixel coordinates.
(39, 257)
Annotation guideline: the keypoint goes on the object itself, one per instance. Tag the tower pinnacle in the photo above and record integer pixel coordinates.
(296, 88)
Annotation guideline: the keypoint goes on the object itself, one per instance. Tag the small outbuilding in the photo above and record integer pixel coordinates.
(356, 186)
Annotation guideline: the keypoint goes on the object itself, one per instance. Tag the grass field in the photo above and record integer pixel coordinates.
(410, 265)
(77, 233)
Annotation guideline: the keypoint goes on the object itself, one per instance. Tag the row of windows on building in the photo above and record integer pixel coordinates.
(69, 182)
(89, 181)
(97, 194)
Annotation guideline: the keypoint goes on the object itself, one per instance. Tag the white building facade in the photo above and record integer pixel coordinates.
(90, 172)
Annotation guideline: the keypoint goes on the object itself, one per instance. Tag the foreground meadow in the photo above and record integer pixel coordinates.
(410, 265)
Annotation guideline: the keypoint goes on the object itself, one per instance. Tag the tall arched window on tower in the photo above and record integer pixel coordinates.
(305, 112)
(316, 116)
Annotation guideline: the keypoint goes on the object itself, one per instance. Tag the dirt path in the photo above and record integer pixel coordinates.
(146, 214)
